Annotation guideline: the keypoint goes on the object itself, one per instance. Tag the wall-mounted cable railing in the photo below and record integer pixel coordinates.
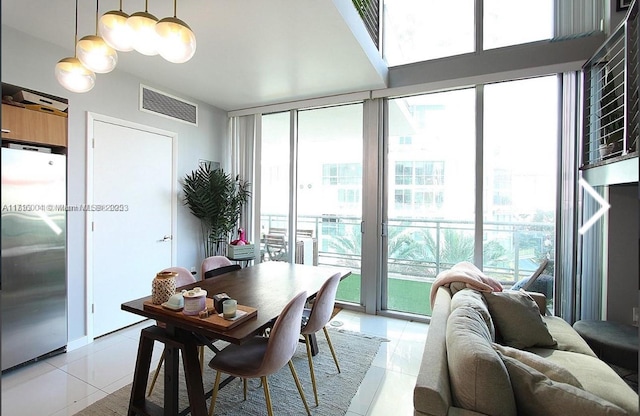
(610, 107)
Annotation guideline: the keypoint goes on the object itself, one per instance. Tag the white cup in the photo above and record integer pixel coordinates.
(229, 308)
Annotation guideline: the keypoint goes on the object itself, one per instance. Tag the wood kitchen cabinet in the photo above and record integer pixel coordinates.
(31, 126)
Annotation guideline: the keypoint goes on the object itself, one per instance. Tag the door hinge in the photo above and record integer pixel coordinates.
(93, 226)
(93, 143)
(384, 229)
(93, 308)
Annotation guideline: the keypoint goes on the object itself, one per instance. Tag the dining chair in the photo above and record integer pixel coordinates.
(276, 246)
(184, 277)
(213, 262)
(316, 318)
(222, 270)
(263, 356)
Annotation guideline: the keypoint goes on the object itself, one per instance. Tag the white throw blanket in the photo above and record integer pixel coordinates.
(468, 274)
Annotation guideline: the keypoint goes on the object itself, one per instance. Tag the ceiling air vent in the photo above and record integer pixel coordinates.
(163, 104)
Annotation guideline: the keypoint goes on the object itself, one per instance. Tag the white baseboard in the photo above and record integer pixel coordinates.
(77, 343)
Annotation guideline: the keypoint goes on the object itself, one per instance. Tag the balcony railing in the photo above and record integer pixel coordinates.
(369, 11)
(420, 249)
(611, 78)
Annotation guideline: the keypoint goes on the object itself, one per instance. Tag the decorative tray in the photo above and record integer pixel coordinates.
(214, 320)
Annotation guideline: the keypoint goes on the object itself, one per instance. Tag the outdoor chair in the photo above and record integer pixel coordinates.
(276, 247)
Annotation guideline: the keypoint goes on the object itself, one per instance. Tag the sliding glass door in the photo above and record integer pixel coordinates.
(430, 193)
(434, 170)
(330, 189)
(274, 174)
(469, 175)
(520, 170)
(327, 175)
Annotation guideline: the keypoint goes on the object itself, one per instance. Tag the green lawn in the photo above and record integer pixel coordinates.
(404, 295)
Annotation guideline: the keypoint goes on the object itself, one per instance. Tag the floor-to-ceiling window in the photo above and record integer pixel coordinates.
(431, 186)
(275, 171)
(430, 193)
(519, 178)
(327, 148)
(330, 189)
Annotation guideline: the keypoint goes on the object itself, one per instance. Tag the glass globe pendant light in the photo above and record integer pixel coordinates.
(114, 30)
(70, 72)
(94, 53)
(143, 25)
(177, 41)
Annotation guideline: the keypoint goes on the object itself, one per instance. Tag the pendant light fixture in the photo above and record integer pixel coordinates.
(70, 72)
(94, 53)
(143, 25)
(177, 41)
(114, 30)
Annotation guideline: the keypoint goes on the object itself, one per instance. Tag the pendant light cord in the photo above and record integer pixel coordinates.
(97, 14)
(175, 8)
(75, 39)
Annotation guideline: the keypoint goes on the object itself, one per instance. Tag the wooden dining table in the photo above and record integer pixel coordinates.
(267, 287)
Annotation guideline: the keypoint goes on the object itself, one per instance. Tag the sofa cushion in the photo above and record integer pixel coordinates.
(473, 299)
(536, 394)
(595, 376)
(478, 377)
(550, 369)
(567, 337)
(517, 319)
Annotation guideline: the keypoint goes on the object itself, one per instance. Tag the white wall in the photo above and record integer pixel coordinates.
(622, 273)
(29, 62)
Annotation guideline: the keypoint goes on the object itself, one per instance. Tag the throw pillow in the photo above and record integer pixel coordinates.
(517, 318)
(536, 394)
(478, 377)
(554, 371)
(473, 299)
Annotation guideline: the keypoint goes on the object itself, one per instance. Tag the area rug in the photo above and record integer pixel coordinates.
(335, 390)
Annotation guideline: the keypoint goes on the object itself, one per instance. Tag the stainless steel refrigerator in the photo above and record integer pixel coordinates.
(33, 295)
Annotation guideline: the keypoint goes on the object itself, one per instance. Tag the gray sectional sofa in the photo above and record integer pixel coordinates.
(539, 366)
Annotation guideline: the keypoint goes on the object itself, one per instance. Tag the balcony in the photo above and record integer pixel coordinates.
(611, 112)
(420, 249)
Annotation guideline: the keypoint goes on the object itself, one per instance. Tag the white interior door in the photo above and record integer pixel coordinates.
(132, 222)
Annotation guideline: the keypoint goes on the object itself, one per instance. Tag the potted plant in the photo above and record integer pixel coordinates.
(612, 131)
(216, 199)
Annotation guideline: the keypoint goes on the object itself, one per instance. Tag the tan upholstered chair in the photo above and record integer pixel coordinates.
(184, 278)
(262, 356)
(316, 318)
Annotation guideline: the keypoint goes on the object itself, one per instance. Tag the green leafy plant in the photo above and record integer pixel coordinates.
(216, 199)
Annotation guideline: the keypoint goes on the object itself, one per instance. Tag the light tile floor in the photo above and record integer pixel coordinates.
(67, 383)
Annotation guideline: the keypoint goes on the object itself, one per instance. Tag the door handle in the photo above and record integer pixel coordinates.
(6, 131)
(165, 239)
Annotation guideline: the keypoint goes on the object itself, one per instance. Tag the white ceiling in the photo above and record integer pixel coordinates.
(249, 52)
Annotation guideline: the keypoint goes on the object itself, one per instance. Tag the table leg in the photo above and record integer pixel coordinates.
(175, 342)
(193, 378)
(171, 363)
(141, 373)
